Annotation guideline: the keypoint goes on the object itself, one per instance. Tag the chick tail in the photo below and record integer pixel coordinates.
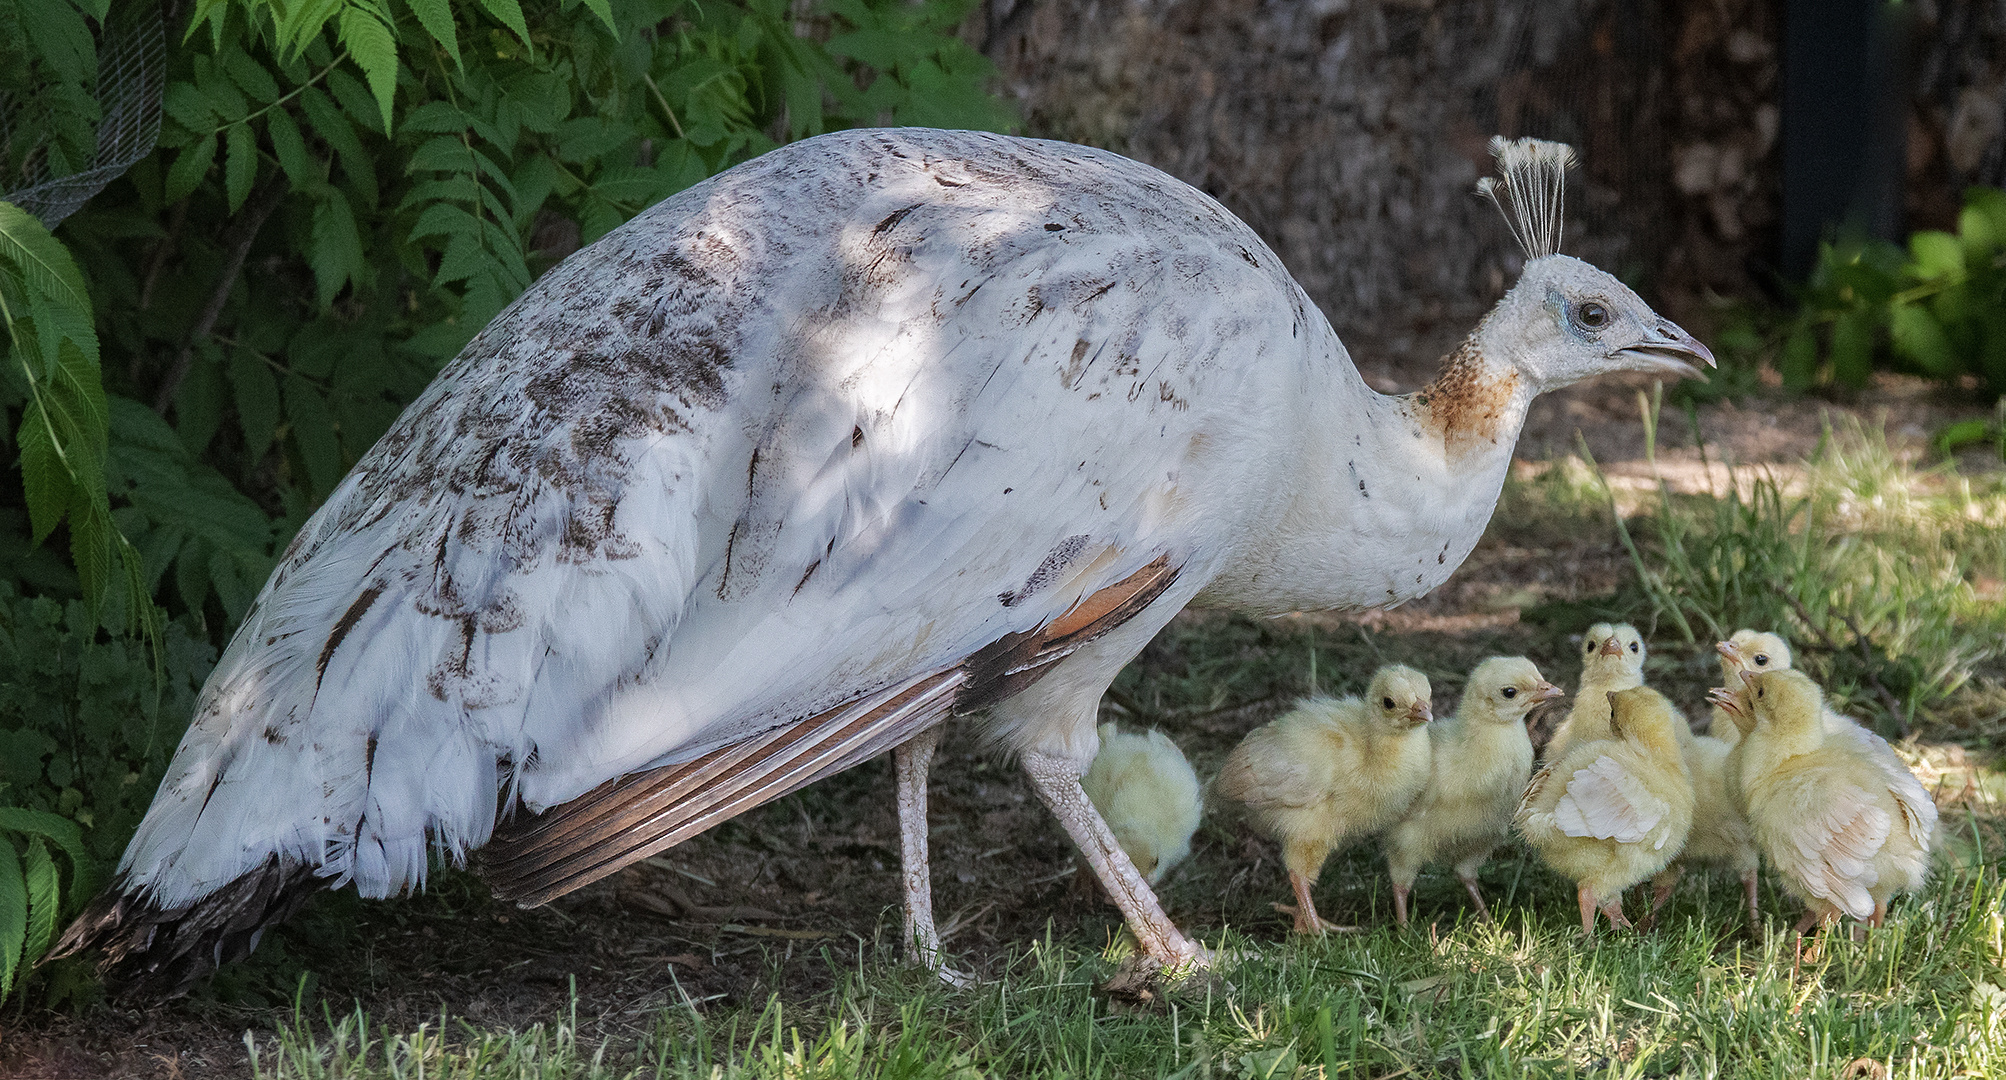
(147, 951)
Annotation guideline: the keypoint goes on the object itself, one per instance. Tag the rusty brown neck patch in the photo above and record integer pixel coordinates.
(1470, 404)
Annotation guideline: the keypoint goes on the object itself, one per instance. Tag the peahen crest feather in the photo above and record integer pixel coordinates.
(1534, 190)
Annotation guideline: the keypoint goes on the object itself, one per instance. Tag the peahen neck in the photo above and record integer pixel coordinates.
(1388, 493)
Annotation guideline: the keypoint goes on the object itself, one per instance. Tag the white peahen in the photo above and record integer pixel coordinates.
(880, 428)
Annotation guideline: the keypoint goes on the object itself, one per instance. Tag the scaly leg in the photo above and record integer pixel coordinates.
(1748, 882)
(1661, 891)
(1586, 895)
(1304, 911)
(1880, 914)
(1400, 902)
(1470, 883)
(1613, 907)
(911, 761)
(1058, 785)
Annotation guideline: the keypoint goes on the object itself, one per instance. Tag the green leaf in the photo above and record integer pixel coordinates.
(257, 396)
(1799, 363)
(1935, 254)
(13, 915)
(1918, 336)
(44, 900)
(190, 108)
(604, 10)
(1853, 348)
(42, 260)
(1955, 437)
(240, 166)
(436, 16)
(374, 49)
(336, 255)
(190, 167)
(510, 14)
(45, 479)
(251, 76)
(313, 433)
(1982, 225)
(290, 148)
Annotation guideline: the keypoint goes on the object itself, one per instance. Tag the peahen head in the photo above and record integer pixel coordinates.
(1566, 321)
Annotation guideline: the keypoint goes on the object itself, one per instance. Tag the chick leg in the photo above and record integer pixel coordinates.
(1661, 892)
(1748, 883)
(1400, 902)
(1476, 895)
(1058, 785)
(1304, 911)
(1880, 914)
(911, 761)
(1613, 907)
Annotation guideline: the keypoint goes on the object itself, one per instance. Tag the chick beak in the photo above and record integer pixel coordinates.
(1612, 647)
(1726, 699)
(1728, 649)
(1666, 349)
(1547, 692)
(1420, 713)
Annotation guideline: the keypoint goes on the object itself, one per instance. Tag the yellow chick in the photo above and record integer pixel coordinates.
(1149, 797)
(1612, 658)
(1720, 833)
(1843, 831)
(1330, 772)
(1747, 650)
(1481, 760)
(1613, 812)
(1751, 651)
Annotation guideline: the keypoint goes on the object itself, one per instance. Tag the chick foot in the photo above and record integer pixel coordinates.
(1304, 911)
(1476, 896)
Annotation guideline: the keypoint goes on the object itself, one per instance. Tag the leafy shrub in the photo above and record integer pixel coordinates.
(343, 193)
(86, 724)
(1937, 309)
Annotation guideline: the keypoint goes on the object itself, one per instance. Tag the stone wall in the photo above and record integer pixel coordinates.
(1350, 133)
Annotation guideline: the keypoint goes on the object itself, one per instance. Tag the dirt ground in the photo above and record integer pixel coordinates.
(795, 895)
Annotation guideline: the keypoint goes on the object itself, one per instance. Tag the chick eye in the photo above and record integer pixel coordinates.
(1510, 692)
(1387, 702)
(1588, 646)
(1761, 659)
(1591, 316)
(1633, 646)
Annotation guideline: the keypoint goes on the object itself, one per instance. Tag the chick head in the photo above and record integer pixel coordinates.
(1733, 700)
(1504, 688)
(1751, 650)
(1400, 697)
(1612, 647)
(1642, 713)
(1786, 700)
(1565, 321)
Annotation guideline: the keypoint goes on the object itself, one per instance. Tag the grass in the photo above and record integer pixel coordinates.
(1920, 998)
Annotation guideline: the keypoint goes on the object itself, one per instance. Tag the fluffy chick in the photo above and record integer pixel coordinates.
(1612, 658)
(1481, 760)
(1613, 812)
(1332, 771)
(1828, 811)
(1754, 651)
(1721, 834)
(1149, 796)
(1746, 650)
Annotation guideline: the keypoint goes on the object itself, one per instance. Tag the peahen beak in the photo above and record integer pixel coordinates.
(1665, 348)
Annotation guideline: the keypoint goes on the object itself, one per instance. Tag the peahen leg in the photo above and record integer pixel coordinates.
(911, 762)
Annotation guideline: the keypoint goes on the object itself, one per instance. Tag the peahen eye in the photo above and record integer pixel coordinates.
(1387, 702)
(1592, 316)
(1510, 692)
